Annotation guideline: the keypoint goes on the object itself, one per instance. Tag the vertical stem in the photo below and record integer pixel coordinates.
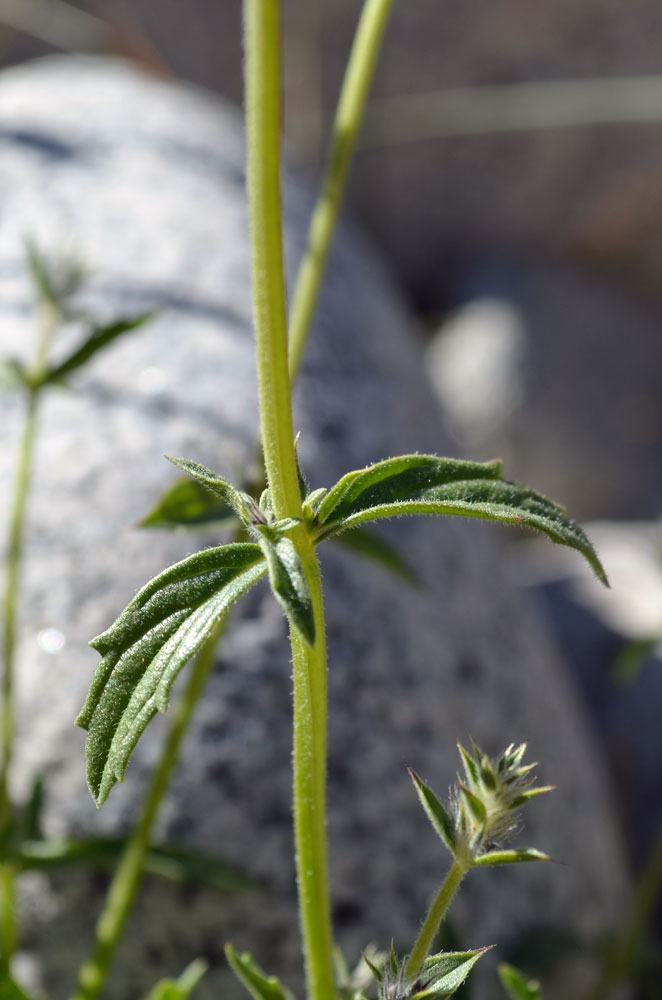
(48, 321)
(263, 81)
(309, 765)
(126, 879)
(263, 86)
(14, 549)
(436, 914)
(349, 115)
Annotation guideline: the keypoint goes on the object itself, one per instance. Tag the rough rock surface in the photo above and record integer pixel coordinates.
(562, 377)
(144, 181)
(591, 192)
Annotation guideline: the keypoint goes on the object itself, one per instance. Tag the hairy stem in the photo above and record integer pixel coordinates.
(349, 115)
(309, 764)
(263, 82)
(48, 322)
(126, 879)
(436, 914)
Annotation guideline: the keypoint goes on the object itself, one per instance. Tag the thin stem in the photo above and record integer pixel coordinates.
(14, 551)
(48, 322)
(309, 766)
(127, 877)
(349, 115)
(263, 84)
(7, 918)
(436, 914)
(263, 81)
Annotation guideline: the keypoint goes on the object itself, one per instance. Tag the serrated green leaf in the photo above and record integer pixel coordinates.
(144, 650)
(436, 812)
(397, 480)
(225, 491)
(98, 338)
(259, 985)
(425, 484)
(166, 860)
(517, 986)
(288, 582)
(187, 505)
(10, 990)
(369, 546)
(182, 988)
(511, 857)
(444, 974)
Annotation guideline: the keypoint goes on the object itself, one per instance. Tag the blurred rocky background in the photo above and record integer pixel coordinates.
(511, 176)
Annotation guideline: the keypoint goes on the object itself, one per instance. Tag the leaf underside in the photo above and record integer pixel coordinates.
(425, 484)
(436, 812)
(444, 974)
(289, 585)
(144, 650)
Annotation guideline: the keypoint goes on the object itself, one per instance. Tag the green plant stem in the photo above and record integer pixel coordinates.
(436, 914)
(127, 877)
(48, 321)
(263, 82)
(349, 115)
(309, 766)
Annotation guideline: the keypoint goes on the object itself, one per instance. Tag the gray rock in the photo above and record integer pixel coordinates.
(562, 377)
(143, 180)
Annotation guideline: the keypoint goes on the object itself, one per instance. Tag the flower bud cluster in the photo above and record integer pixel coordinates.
(487, 800)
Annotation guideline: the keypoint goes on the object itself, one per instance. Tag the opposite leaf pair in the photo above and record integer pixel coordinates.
(173, 615)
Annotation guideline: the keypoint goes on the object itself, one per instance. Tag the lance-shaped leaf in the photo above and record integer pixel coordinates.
(182, 988)
(259, 985)
(517, 986)
(514, 857)
(187, 505)
(288, 582)
(470, 767)
(475, 806)
(425, 484)
(98, 338)
(144, 650)
(243, 505)
(173, 862)
(444, 974)
(436, 812)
